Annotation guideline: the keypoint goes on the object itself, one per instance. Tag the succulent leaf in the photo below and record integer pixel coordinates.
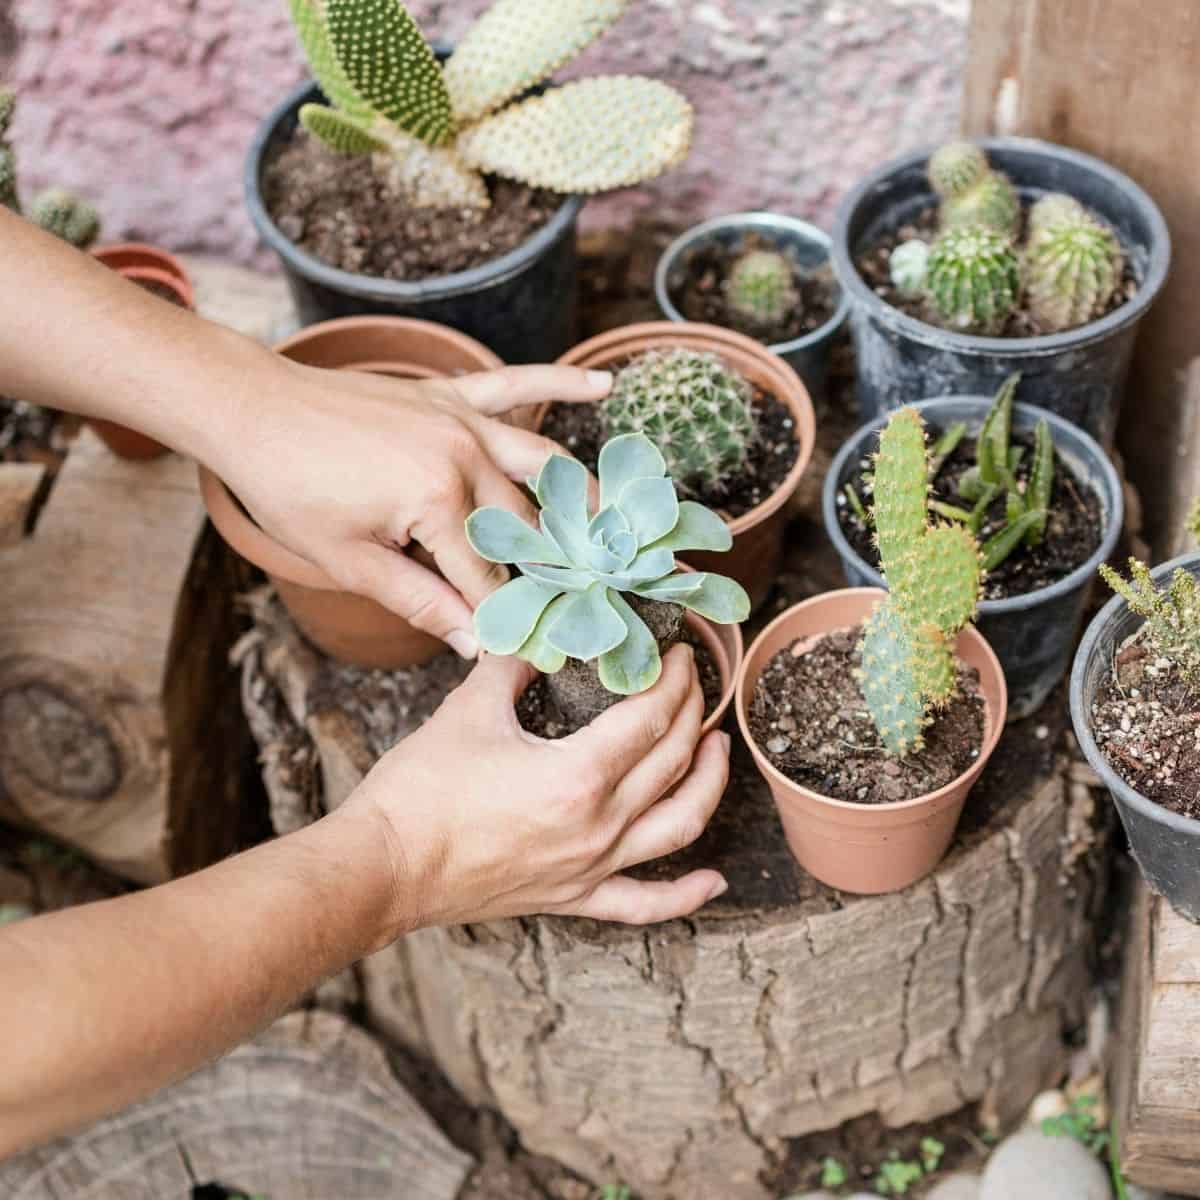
(506, 619)
(585, 137)
(626, 458)
(635, 664)
(390, 65)
(589, 626)
(517, 44)
(718, 598)
(562, 488)
(698, 528)
(501, 536)
(309, 20)
(651, 507)
(537, 649)
(339, 131)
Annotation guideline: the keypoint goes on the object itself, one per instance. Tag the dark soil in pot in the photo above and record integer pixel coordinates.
(701, 296)
(1073, 532)
(580, 429)
(338, 210)
(873, 266)
(809, 715)
(1146, 720)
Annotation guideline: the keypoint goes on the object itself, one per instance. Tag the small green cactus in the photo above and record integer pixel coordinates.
(761, 287)
(1072, 269)
(696, 410)
(1171, 614)
(973, 280)
(9, 196)
(956, 168)
(933, 576)
(992, 202)
(1054, 208)
(909, 266)
(67, 216)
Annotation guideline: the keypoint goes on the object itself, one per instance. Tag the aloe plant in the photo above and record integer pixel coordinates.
(571, 610)
(437, 129)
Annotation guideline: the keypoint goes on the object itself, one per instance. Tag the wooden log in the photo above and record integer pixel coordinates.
(683, 1058)
(1117, 78)
(308, 1110)
(1158, 1055)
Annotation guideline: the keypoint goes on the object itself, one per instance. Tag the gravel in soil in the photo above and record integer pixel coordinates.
(700, 293)
(1146, 719)
(876, 274)
(1073, 532)
(809, 716)
(339, 210)
(773, 452)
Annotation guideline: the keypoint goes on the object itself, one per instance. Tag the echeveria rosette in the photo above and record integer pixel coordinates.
(568, 600)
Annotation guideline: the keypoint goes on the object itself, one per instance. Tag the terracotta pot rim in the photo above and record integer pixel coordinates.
(469, 345)
(992, 733)
(786, 386)
(160, 275)
(736, 658)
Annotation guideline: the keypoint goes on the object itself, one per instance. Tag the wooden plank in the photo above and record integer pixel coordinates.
(1117, 78)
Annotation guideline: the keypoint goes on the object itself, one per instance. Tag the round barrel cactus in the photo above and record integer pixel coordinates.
(1054, 208)
(992, 201)
(761, 287)
(973, 279)
(956, 167)
(1072, 270)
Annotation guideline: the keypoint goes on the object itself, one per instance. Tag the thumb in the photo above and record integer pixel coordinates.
(501, 678)
(495, 392)
(421, 596)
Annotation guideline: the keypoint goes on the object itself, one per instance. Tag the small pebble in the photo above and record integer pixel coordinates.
(890, 767)
(1046, 1105)
(787, 724)
(778, 745)
(1042, 732)
(1032, 1166)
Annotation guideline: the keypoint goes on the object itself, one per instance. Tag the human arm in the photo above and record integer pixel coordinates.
(104, 1003)
(345, 469)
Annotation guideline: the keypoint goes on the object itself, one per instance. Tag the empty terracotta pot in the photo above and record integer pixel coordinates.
(125, 256)
(348, 627)
(866, 848)
(757, 534)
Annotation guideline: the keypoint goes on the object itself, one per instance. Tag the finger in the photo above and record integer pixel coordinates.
(496, 392)
(493, 488)
(617, 740)
(500, 679)
(521, 455)
(410, 590)
(640, 902)
(667, 763)
(683, 816)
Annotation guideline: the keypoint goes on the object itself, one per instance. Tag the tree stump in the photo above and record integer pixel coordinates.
(308, 1109)
(682, 1058)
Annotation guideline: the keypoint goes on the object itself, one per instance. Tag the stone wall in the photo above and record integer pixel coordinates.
(147, 106)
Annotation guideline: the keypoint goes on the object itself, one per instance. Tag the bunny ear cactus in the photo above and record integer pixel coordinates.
(435, 130)
(1072, 269)
(933, 575)
(761, 287)
(569, 601)
(973, 279)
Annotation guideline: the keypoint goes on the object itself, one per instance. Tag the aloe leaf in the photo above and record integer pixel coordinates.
(856, 505)
(979, 512)
(651, 508)
(1000, 545)
(502, 537)
(589, 625)
(945, 446)
(698, 528)
(970, 485)
(635, 664)
(537, 650)
(992, 445)
(504, 621)
(625, 458)
(1041, 480)
(950, 511)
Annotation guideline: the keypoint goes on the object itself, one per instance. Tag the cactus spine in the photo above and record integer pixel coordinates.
(973, 279)
(693, 408)
(1072, 269)
(933, 576)
(761, 287)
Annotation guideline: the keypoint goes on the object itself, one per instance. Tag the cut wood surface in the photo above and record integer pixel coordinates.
(1117, 78)
(308, 1111)
(1158, 1053)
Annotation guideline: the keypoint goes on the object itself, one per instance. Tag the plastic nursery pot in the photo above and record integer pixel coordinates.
(1033, 635)
(1165, 845)
(758, 534)
(124, 256)
(1080, 373)
(348, 627)
(865, 848)
(807, 247)
(522, 304)
(158, 272)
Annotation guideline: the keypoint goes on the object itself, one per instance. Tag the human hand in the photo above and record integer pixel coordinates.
(348, 470)
(487, 821)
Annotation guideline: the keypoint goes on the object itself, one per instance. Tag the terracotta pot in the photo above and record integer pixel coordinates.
(724, 643)
(758, 534)
(142, 264)
(347, 627)
(866, 848)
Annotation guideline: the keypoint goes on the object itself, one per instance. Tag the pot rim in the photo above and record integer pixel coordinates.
(181, 287)
(1158, 260)
(789, 389)
(759, 219)
(1081, 716)
(371, 287)
(167, 261)
(735, 651)
(1080, 576)
(774, 776)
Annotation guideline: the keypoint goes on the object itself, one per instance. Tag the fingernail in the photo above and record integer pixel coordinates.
(463, 644)
(719, 889)
(600, 378)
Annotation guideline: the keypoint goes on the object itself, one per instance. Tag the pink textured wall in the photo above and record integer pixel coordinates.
(147, 106)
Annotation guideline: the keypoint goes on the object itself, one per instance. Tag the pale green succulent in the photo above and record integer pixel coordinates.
(438, 129)
(909, 264)
(568, 600)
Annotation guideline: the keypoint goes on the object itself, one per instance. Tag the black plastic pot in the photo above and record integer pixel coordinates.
(521, 305)
(805, 244)
(1165, 845)
(1033, 635)
(1079, 374)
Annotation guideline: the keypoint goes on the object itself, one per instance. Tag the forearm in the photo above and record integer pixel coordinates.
(104, 1003)
(76, 336)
